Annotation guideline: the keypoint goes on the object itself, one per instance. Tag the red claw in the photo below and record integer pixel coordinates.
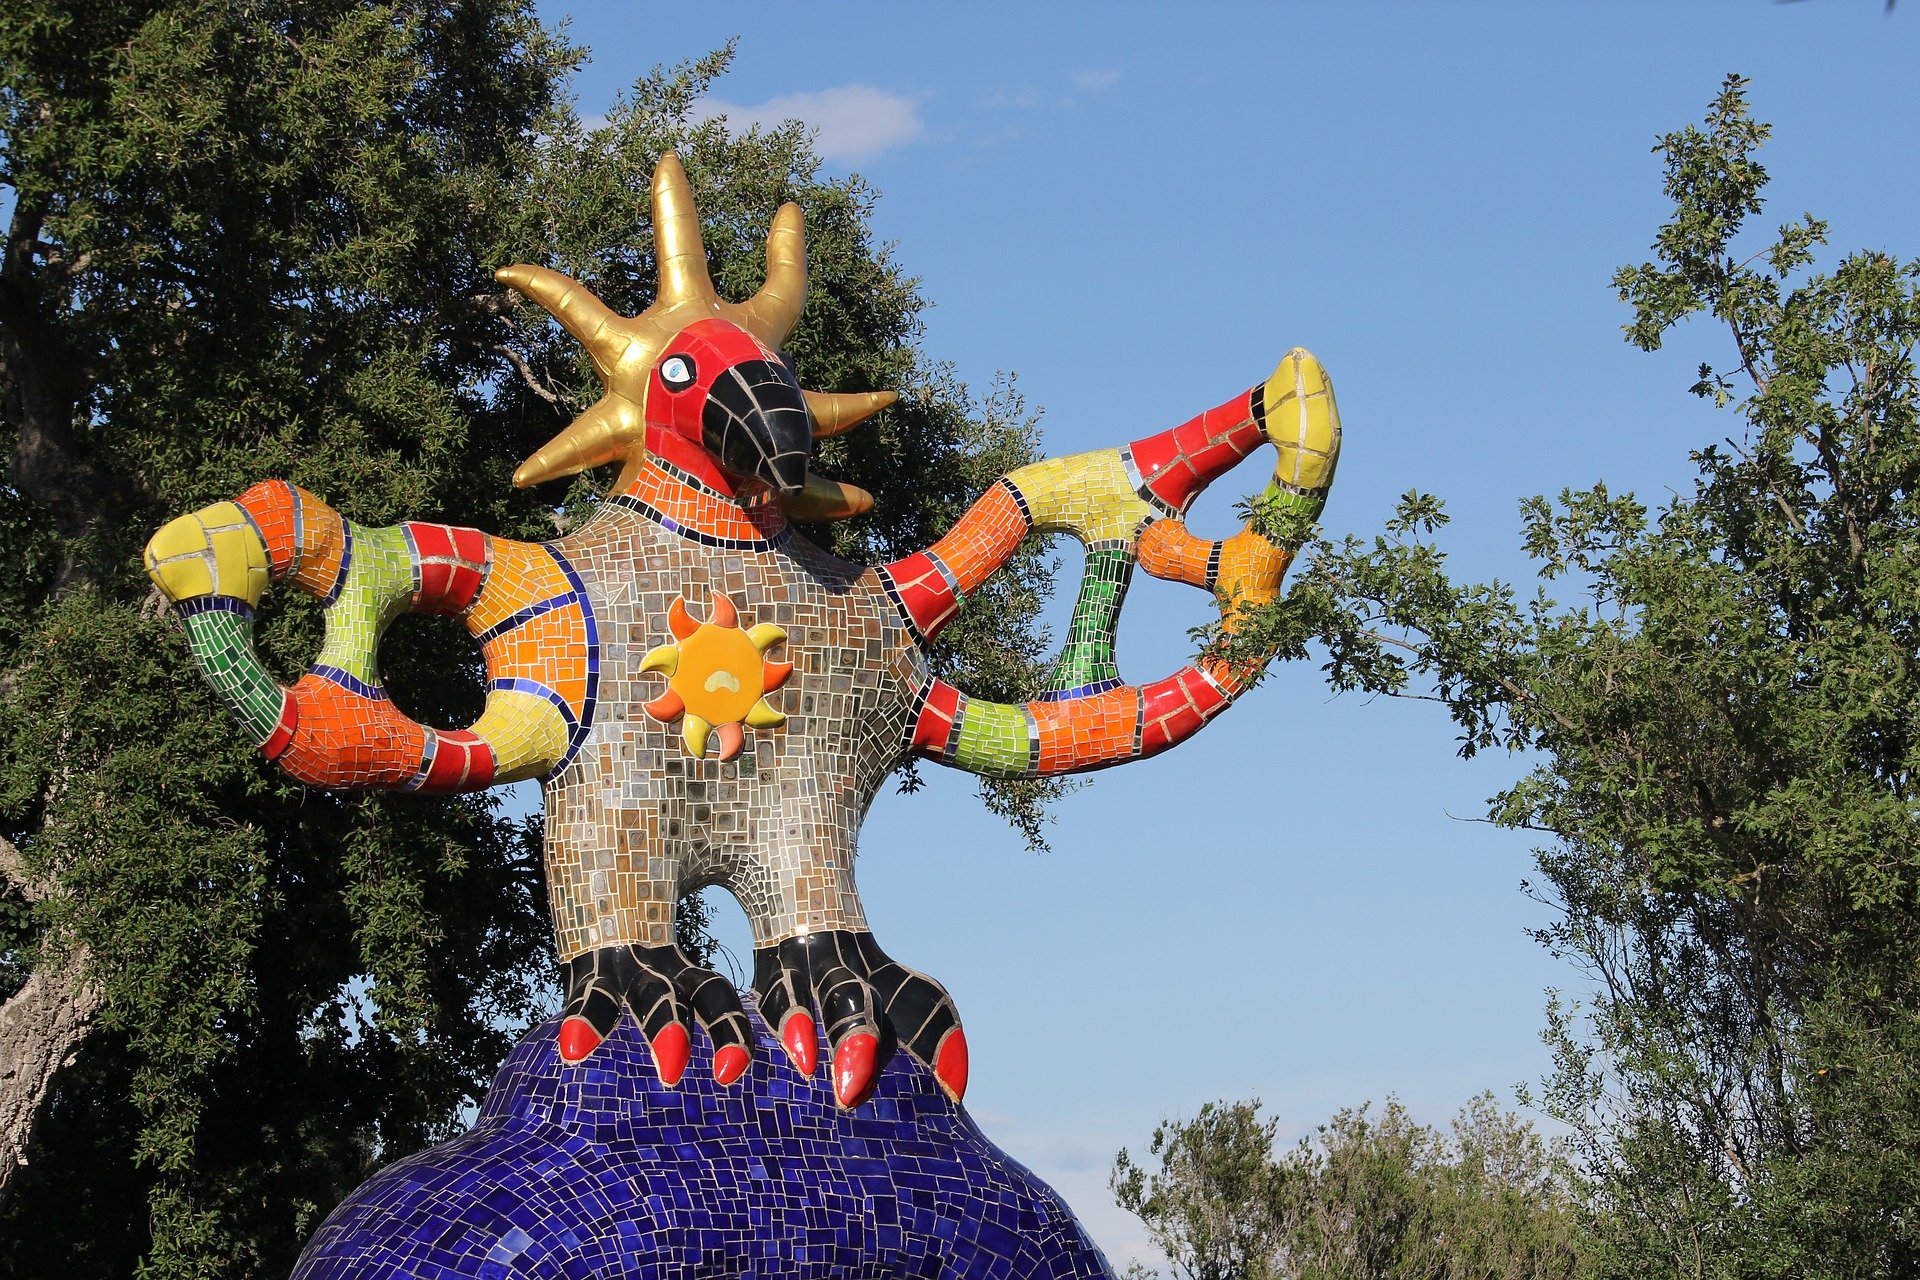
(802, 1042)
(950, 1063)
(577, 1039)
(730, 1063)
(671, 1050)
(853, 1069)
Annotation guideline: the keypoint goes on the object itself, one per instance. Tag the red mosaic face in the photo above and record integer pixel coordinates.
(719, 390)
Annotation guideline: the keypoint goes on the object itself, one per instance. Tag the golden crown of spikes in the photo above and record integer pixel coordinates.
(625, 348)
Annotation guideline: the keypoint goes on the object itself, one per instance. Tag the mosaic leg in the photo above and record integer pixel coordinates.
(614, 890)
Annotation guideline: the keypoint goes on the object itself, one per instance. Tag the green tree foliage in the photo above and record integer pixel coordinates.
(1724, 723)
(256, 239)
(1364, 1198)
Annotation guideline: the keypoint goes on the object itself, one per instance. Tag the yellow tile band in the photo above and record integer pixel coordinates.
(527, 733)
(1088, 495)
(213, 552)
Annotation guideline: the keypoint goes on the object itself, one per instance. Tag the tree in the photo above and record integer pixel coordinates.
(256, 239)
(1725, 731)
(1364, 1198)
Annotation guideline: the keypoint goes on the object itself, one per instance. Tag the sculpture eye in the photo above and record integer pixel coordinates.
(677, 372)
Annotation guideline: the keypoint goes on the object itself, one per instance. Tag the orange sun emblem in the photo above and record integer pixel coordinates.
(718, 677)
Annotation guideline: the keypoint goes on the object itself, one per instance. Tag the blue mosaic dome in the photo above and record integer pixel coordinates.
(597, 1170)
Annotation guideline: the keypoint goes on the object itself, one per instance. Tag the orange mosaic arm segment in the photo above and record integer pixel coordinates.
(336, 727)
(928, 586)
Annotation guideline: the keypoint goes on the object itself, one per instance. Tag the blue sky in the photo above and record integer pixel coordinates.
(1140, 208)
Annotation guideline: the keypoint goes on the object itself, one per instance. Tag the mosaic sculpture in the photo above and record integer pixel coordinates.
(709, 698)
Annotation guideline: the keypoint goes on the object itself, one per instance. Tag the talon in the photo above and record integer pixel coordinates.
(853, 1069)
(802, 1042)
(671, 1049)
(730, 1063)
(950, 1064)
(577, 1039)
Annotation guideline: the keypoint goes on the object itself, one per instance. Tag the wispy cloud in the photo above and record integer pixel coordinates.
(1094, 79)
(1081, 84)
(1021, 99)
(851, 123)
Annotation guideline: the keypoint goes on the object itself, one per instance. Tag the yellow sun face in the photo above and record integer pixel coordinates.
(718, 677)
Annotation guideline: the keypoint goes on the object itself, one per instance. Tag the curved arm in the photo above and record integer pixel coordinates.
(1126, 505)
(336, 726)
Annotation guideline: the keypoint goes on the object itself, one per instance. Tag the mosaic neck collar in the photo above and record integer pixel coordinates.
(687, 505)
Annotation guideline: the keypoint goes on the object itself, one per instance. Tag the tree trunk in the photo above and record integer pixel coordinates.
(41, 1027)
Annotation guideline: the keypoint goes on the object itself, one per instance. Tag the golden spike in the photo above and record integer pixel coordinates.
(766, 635)
(604, 332)
(610, 429)
(824, 499)
(664, 658)
(762, 715)
(770, 314)
(834, 412)
(676, 238)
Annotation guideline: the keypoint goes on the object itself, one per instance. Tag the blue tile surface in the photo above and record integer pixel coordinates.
(596, 1170)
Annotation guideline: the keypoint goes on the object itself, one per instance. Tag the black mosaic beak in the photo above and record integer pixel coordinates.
(756, 425)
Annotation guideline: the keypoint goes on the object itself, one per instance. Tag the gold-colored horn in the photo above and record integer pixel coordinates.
(835, 412)
(676, 237)
(612, 429)
(821, 499)
(604, 332)
(770, 314)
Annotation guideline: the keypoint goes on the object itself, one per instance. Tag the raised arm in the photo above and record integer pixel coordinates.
(336, 727)
(1126, 506)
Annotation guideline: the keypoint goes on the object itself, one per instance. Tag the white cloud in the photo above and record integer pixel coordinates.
(1094, 79)
(850, 122)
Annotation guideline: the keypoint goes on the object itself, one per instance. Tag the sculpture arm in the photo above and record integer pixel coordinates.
(336, 727)
(1127, 506)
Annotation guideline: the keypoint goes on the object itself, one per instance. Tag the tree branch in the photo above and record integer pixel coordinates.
(527, 374)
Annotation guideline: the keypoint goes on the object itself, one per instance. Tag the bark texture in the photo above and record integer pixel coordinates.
(41, 1027)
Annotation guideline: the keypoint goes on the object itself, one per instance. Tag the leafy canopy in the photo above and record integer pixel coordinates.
(1364, 1198)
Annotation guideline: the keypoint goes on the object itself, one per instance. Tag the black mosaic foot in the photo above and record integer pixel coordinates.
(868, 1003)
(662, 988)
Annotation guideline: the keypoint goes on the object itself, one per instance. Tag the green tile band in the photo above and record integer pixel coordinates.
(378, 589)
(995, 740)
(1288, 514)
(222, 643)
(1089, 654)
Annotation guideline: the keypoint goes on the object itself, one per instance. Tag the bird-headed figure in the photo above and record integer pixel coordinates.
(709, 698)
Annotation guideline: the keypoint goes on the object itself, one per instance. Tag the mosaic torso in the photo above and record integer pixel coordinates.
(635, 820)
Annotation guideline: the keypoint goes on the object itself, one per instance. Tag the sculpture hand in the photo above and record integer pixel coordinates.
(661, 986)
(868, 1003)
